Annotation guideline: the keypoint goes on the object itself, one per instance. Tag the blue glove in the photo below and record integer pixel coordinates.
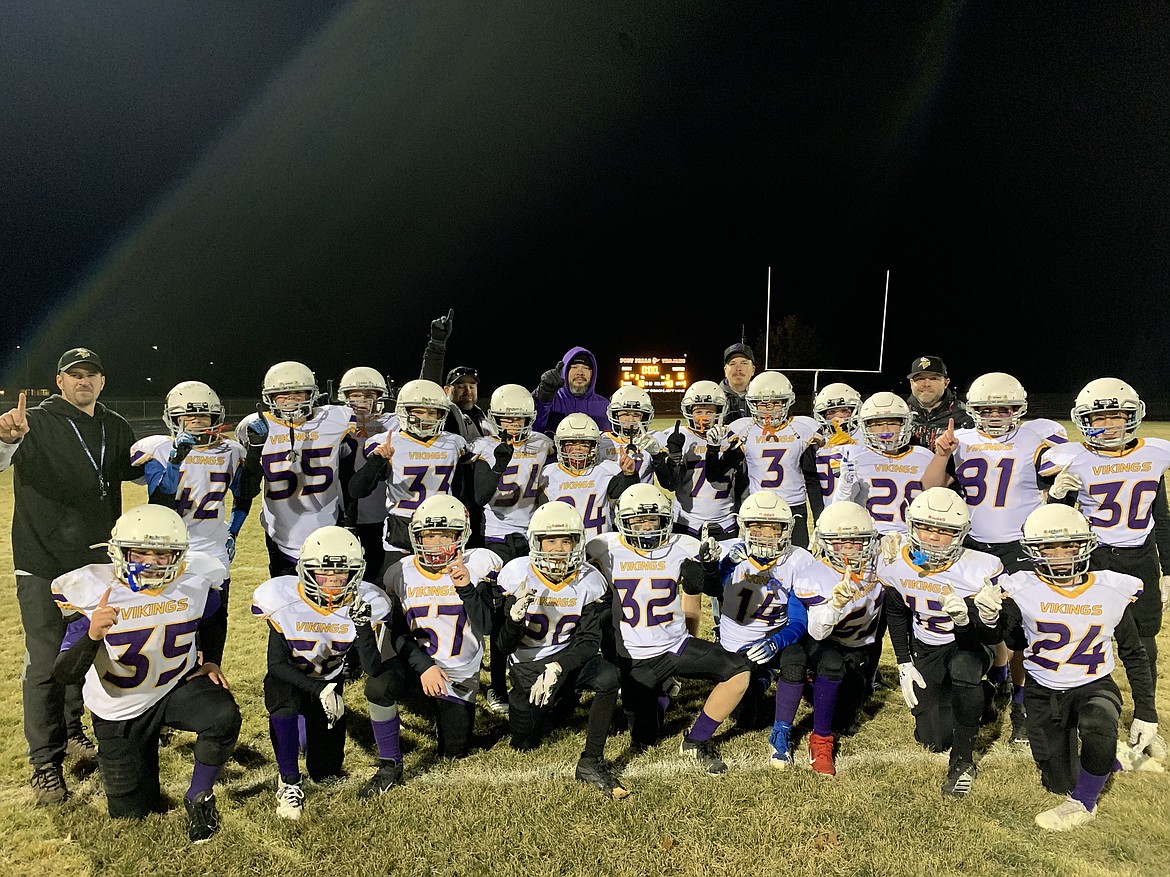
(184, 442)
(763, 651)
(231, 547)
(257, 431)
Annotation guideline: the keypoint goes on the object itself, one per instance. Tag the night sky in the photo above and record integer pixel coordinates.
(241, 183)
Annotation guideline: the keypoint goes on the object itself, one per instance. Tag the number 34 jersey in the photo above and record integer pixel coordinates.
(556, 611)
(151, 647)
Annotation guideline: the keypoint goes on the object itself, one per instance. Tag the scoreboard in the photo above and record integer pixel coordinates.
(655, 374)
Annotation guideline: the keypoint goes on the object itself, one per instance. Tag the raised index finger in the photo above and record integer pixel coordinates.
(20, 407)
(677, 426)
(951, 425)
(105, 597)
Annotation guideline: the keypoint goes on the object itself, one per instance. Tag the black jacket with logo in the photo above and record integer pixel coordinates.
(927, 426)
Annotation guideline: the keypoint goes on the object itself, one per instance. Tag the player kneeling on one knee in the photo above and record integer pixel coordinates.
(555, 606)
(136, 629)
(1068, 617)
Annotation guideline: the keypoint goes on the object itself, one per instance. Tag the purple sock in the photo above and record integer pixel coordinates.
(998, 674)
(1088, 788)
(386, 735)
(283, 730)
(663, 704)
(788, 697)
(703, 729)
(824, 704)
(202, 778)
(302, 735)
(1017, 694)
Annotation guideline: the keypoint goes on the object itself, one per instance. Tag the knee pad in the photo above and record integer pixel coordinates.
(830, 663)
(1099, 716)
(607, 678)
(793, 664)
(966, 669)
(385, 689)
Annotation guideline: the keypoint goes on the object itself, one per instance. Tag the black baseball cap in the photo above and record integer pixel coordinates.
(739, 349)
(79, 356)
(461, 371)
(928, 364)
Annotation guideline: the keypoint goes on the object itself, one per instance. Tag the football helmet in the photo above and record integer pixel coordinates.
(885, 406)
(938, 507)
(630, 398)
(193, 397)
(765, 507)
(575, 429)
(514, 401)
(846, 521)
(1058, 524)
(832, 396)
(704, 393)
(364, 378)
(1108, 394)
(996, 390)
(643, 500)
(290, 377)
(148, 527)
(770, 387)
(421, 393)
(439, 512)
(327, 550)
(556, 519)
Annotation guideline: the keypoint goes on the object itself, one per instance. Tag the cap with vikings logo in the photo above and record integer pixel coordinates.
(932, 364)
(80, 356)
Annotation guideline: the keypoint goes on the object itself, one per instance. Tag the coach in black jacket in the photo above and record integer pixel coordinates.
(932, 401)
(72, 455)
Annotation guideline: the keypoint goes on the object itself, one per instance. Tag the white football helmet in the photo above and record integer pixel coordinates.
(290, 377)
(556, 519)
(439, 512)
(577, 428)
(148, 527)
(421, 393)
(644, 500)
(330, 550)
(1057, 524)
(996, 390)
(938, 507)
(845, 521)
(512, 400)
(765, 507)
(885, 406)
(1108, 394)
(704, 393)
(837, 395)
(363, 377)
(193, 397)
(630, 398)
(770, 388)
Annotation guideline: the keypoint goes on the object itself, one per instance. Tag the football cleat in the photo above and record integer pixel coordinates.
(496, 702)
(1069, 814)
(48, 785)
(202, 817)
(80, 746)
(290, 800)
(706, 753)
(820, 753)
(1019, 724)
(387, 776)
(959, 779)
(781, 745)
(599, 773)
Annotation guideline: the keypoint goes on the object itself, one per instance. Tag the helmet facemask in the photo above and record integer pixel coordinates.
(580, 457)
(437, 548)
(557, 564)
(771, 539)
(886, 434)
(318, 577)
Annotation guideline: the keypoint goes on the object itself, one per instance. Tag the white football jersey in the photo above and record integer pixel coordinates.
(555, 613)
(773, 460)
(205, 478)
(646, 591)
(698, 500)
(372, 508)
(607, 449)
(923, 590)
(1117, 487)
(151, 647)
(585, 493)
(419, 468)
(317, 637)
(884, 484)
(511, 507)
(1070, 630)
(437, 619)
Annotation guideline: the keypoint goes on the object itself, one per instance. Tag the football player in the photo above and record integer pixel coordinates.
(579, 478)
(630, 413)
(555, 607)
(137, 629)
(646, 565)
(1066, 617)
(931, 631)
(365, 391)
(835, 409)
(310, 635)
(300, 454)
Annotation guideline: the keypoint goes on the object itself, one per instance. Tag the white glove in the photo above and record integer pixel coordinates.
(520, 607)
(542, 688)
(647, 444)
(361, 613)
(989, 600)
(738, 553)
(956, 607)
(332, 704)
(1141, 734)
(1165, 583)
(762, 651)
(1064, 483)
(908, 677)
(715, 436)
(848, 471)
(891, 547)
(709, 549)
(844, 591)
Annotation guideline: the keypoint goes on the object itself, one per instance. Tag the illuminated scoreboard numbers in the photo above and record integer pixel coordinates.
(655, 374)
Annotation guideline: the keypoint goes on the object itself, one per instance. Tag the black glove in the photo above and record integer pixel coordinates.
(184, 442)
(361, 612)
(503, 454)
(257, 430)
(674, 443)
(550, 382)
(441, 327)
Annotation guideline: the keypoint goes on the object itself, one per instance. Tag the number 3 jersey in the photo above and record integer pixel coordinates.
(317, 637)
(151, 646)
(556, 611)
(773, 457)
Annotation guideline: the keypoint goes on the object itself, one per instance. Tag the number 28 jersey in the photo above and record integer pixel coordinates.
(556, 611)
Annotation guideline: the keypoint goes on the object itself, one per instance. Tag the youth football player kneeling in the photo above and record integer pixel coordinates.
(314, 619)
(136, 629)
(554, 609)
(1068, 618)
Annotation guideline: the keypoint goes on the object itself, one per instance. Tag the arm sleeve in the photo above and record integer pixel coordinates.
(727, 463)
(477, 603)
(162, 482)
(77, 653)
(241, 504)
(812, 482)
(1162, 527)
(486, 481)
(665, 471)
(898, 622)
(1137, 667)
(211, 634)
(404, 643)
(618, 484)
(345, 475)
(280, 665)
(432, 362)
(251, 474)
(366, 479)
(700, 578)
(797, 624)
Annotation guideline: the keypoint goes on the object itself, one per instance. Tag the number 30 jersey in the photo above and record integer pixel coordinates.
(555, 613)
(151, 647)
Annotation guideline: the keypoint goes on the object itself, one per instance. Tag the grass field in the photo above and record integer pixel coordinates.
(502, 813)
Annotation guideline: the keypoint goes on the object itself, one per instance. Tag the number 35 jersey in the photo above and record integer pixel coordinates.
(151, 647)
(556, 611)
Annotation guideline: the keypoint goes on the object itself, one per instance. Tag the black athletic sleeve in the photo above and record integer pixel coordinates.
(366, 479)
(477, 603)
(1137, 667)
(73, 663)
(899, 622)
(486, 482)
(618, 484)
(1162, 527)
(699, 578)
(401, 640)
(812, 482)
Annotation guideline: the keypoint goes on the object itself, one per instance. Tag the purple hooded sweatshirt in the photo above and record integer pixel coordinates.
(549, 414)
